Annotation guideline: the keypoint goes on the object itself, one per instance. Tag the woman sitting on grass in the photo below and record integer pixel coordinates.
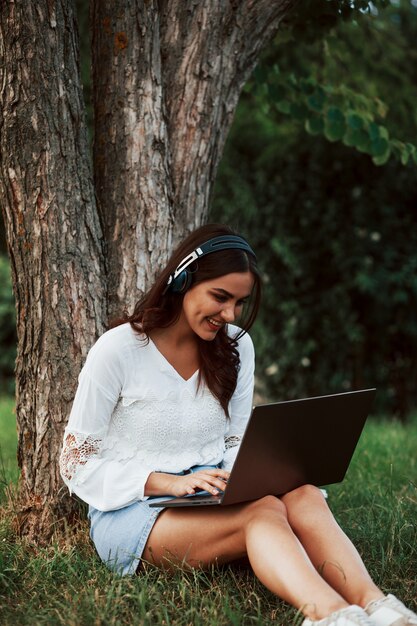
(162, 402)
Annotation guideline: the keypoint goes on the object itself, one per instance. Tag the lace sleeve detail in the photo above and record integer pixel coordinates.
(78, 448)
(232, 441)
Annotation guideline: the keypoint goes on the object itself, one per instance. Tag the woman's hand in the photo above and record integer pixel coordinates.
(211, 480)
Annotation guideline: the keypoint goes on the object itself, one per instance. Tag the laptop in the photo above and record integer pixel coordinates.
(289, 444)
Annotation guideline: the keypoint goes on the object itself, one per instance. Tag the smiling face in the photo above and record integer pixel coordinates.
(211, 304)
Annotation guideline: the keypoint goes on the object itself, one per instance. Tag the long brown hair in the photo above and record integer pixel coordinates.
(161, 307)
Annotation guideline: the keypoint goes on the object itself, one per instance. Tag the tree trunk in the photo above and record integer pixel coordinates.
(133, 185)
(54, 238)
(167, 76)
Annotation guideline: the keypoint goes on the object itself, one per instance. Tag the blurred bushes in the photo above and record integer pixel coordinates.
(337, 243)
(7, 328)
(336, 235)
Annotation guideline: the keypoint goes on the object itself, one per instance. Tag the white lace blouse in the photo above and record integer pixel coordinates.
(134, 414)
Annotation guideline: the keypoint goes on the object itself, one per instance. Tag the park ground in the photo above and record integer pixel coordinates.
(66, 584)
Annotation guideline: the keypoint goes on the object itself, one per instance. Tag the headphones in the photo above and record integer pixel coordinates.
(181, 279)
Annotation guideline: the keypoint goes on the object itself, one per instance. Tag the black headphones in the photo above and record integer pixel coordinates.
(181, 279)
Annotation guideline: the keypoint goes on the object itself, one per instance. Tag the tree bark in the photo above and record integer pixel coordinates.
(54, 239)
(130, 147)
(167, 77)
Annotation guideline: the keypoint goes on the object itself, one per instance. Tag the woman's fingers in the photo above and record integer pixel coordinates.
(216, 472)
(202, 485)
(207, 481)
(210, 480)
(213, 475)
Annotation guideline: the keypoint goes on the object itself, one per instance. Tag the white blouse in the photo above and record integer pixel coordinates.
(134, 414)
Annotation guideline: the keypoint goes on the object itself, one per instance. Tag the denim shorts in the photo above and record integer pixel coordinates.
(120, 536)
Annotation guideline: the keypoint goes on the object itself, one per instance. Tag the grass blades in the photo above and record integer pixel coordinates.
(8, 444)
(66, 584)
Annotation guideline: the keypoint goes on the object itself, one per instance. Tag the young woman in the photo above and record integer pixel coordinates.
(162, 402)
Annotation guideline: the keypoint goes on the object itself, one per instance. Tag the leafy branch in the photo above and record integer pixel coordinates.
(336, 112)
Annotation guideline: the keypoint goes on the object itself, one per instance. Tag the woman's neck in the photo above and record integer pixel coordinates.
(178, 335)
(178, 348)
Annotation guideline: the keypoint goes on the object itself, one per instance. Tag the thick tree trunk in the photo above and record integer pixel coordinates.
(167, 78)
(133, 185)
(54, 237)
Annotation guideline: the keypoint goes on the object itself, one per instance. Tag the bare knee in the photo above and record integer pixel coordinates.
(266, 506)
(304, 496)
(305, 505)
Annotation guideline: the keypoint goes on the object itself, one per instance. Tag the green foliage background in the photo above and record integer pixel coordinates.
(7, 327)
(336, 234)
(319, 172)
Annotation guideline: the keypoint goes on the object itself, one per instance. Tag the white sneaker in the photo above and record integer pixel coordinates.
(350, 616)
(390, 612)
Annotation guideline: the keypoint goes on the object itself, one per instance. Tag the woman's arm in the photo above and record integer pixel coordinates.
(104, 483)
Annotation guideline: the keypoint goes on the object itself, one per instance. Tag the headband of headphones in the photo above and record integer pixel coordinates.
(178, 280)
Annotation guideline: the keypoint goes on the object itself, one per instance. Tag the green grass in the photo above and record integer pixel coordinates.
(8, 444)
(66, 584)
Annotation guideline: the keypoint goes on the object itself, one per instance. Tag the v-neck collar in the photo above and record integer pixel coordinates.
(166, 365)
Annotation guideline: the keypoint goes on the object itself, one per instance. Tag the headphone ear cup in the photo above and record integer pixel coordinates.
(182, 282)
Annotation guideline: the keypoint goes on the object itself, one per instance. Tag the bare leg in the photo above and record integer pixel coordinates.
(260, 529)
(329, 549)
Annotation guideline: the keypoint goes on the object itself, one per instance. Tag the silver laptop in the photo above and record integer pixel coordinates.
(289, 444)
